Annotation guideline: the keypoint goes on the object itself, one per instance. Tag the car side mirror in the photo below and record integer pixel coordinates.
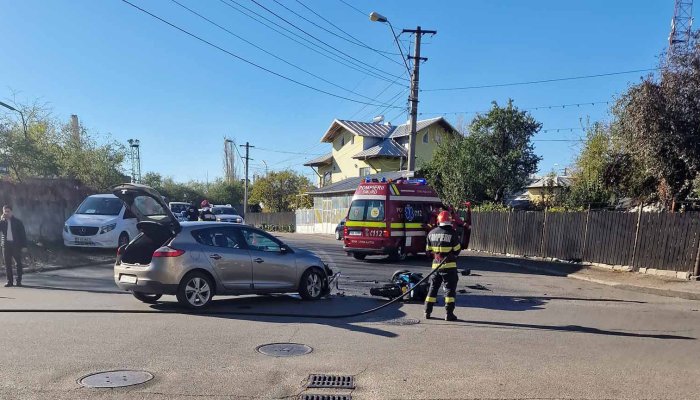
(284, 249)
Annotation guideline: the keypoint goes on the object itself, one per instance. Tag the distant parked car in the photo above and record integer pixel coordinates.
(340, 230)
(197, 260)
(179, 209)
(101, 220)
(227, 214)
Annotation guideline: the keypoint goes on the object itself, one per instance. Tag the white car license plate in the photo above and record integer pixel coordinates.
(127, 278)
(83, 240)
(355, 233)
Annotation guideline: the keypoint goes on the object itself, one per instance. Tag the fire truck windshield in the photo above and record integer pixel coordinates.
(366, 210)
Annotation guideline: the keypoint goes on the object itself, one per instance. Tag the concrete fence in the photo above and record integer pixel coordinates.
(43, 204)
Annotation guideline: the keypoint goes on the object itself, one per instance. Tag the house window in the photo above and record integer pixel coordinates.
(327, 177)
(352, 139)
(438, 137)
(342, 140)
(365, 171)
(425, 138)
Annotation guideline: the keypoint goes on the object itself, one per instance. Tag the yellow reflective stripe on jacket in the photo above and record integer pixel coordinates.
(440, 249)
(449, 300)
(430, 299)
(457, 247)
(409, 225)
(365, 224)
(446, 265)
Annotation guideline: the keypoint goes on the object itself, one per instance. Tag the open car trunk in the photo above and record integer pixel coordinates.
(152, 237)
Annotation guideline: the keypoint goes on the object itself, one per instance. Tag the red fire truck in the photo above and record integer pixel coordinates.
(390, 218)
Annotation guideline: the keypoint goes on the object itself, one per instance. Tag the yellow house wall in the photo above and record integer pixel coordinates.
(344, 166)
(384, 165)
(425, 151)
(537, 195)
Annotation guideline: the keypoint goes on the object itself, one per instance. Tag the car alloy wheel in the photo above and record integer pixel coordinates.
(196, 290)
(312, 285)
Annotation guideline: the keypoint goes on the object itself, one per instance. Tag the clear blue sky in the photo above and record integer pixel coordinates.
(131, 76)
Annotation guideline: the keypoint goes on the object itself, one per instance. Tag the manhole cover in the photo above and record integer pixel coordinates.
(284, 349)
(325, 397)
(397, 321)
(331, 381)
(113, 379)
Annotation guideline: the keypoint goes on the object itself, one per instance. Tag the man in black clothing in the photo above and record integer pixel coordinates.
(14, 243)
(192, 212)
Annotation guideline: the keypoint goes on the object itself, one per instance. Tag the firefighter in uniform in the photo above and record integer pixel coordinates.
(443, 243)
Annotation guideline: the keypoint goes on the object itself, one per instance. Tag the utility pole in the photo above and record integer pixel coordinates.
(245, 183)
(413, 98)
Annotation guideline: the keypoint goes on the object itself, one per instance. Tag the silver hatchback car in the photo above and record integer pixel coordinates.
(196, 260)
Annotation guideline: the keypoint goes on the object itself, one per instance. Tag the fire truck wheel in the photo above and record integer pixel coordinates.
(398, 255)
(358, 256)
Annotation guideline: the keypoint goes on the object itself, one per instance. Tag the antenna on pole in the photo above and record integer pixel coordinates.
(681, 27)
(135, 154)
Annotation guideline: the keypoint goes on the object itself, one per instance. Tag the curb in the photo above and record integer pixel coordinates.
(624, 286)
(58, 267)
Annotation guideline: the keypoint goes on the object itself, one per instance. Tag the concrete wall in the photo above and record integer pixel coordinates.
(43, 204)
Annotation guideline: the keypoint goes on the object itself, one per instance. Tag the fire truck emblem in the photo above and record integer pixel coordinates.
(409, 213)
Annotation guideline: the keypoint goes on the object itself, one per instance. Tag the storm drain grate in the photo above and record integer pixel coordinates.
(325, 397)
(331, 381)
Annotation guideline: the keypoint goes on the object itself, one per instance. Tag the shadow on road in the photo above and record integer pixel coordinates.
(286, 309)
(571, 328)
(494, 263)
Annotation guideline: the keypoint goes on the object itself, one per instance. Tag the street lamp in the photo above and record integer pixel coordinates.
(413, 75)
(24, 124)
(377, 17)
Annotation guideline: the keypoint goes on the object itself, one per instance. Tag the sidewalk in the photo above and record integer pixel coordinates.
(651, 284)
(50, 258)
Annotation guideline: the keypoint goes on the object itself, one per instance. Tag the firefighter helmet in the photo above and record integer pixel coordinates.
(444, 218)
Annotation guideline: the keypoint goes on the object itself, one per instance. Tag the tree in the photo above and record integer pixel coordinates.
(659, 122)
(588, 185)
(51, 149)
(495, 157)
(281, 191)
(222, 192)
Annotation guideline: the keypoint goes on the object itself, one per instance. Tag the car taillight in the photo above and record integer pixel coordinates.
(345, 231)
(168, 252)
(385, 233)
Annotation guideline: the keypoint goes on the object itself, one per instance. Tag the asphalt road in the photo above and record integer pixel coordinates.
(522, 335)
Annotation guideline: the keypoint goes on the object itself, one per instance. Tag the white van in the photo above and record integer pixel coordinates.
(101, 220)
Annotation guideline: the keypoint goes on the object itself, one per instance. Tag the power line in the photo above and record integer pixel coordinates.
(244, 59)
(321, 41)
(267, 52)
(288, 152)
(589, 103)
(354, 8)
(376, 97)
(354, 40)
(317, 49)
(541, 81)
(393, 100)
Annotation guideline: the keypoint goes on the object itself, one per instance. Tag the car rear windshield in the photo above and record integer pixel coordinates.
(100, 206)
(225, 211)
(366, 210)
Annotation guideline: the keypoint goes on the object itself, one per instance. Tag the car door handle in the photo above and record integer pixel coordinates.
(258, 260)
(215, 256)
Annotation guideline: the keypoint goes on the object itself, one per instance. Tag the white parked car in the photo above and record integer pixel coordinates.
(227, 214)
(101, 220)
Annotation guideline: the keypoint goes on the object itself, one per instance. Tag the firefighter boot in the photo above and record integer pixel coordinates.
(428, 309)
(450, 309)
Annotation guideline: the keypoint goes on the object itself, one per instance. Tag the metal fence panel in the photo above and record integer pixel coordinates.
(668, 241)
(525, 231)
(564, 235)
